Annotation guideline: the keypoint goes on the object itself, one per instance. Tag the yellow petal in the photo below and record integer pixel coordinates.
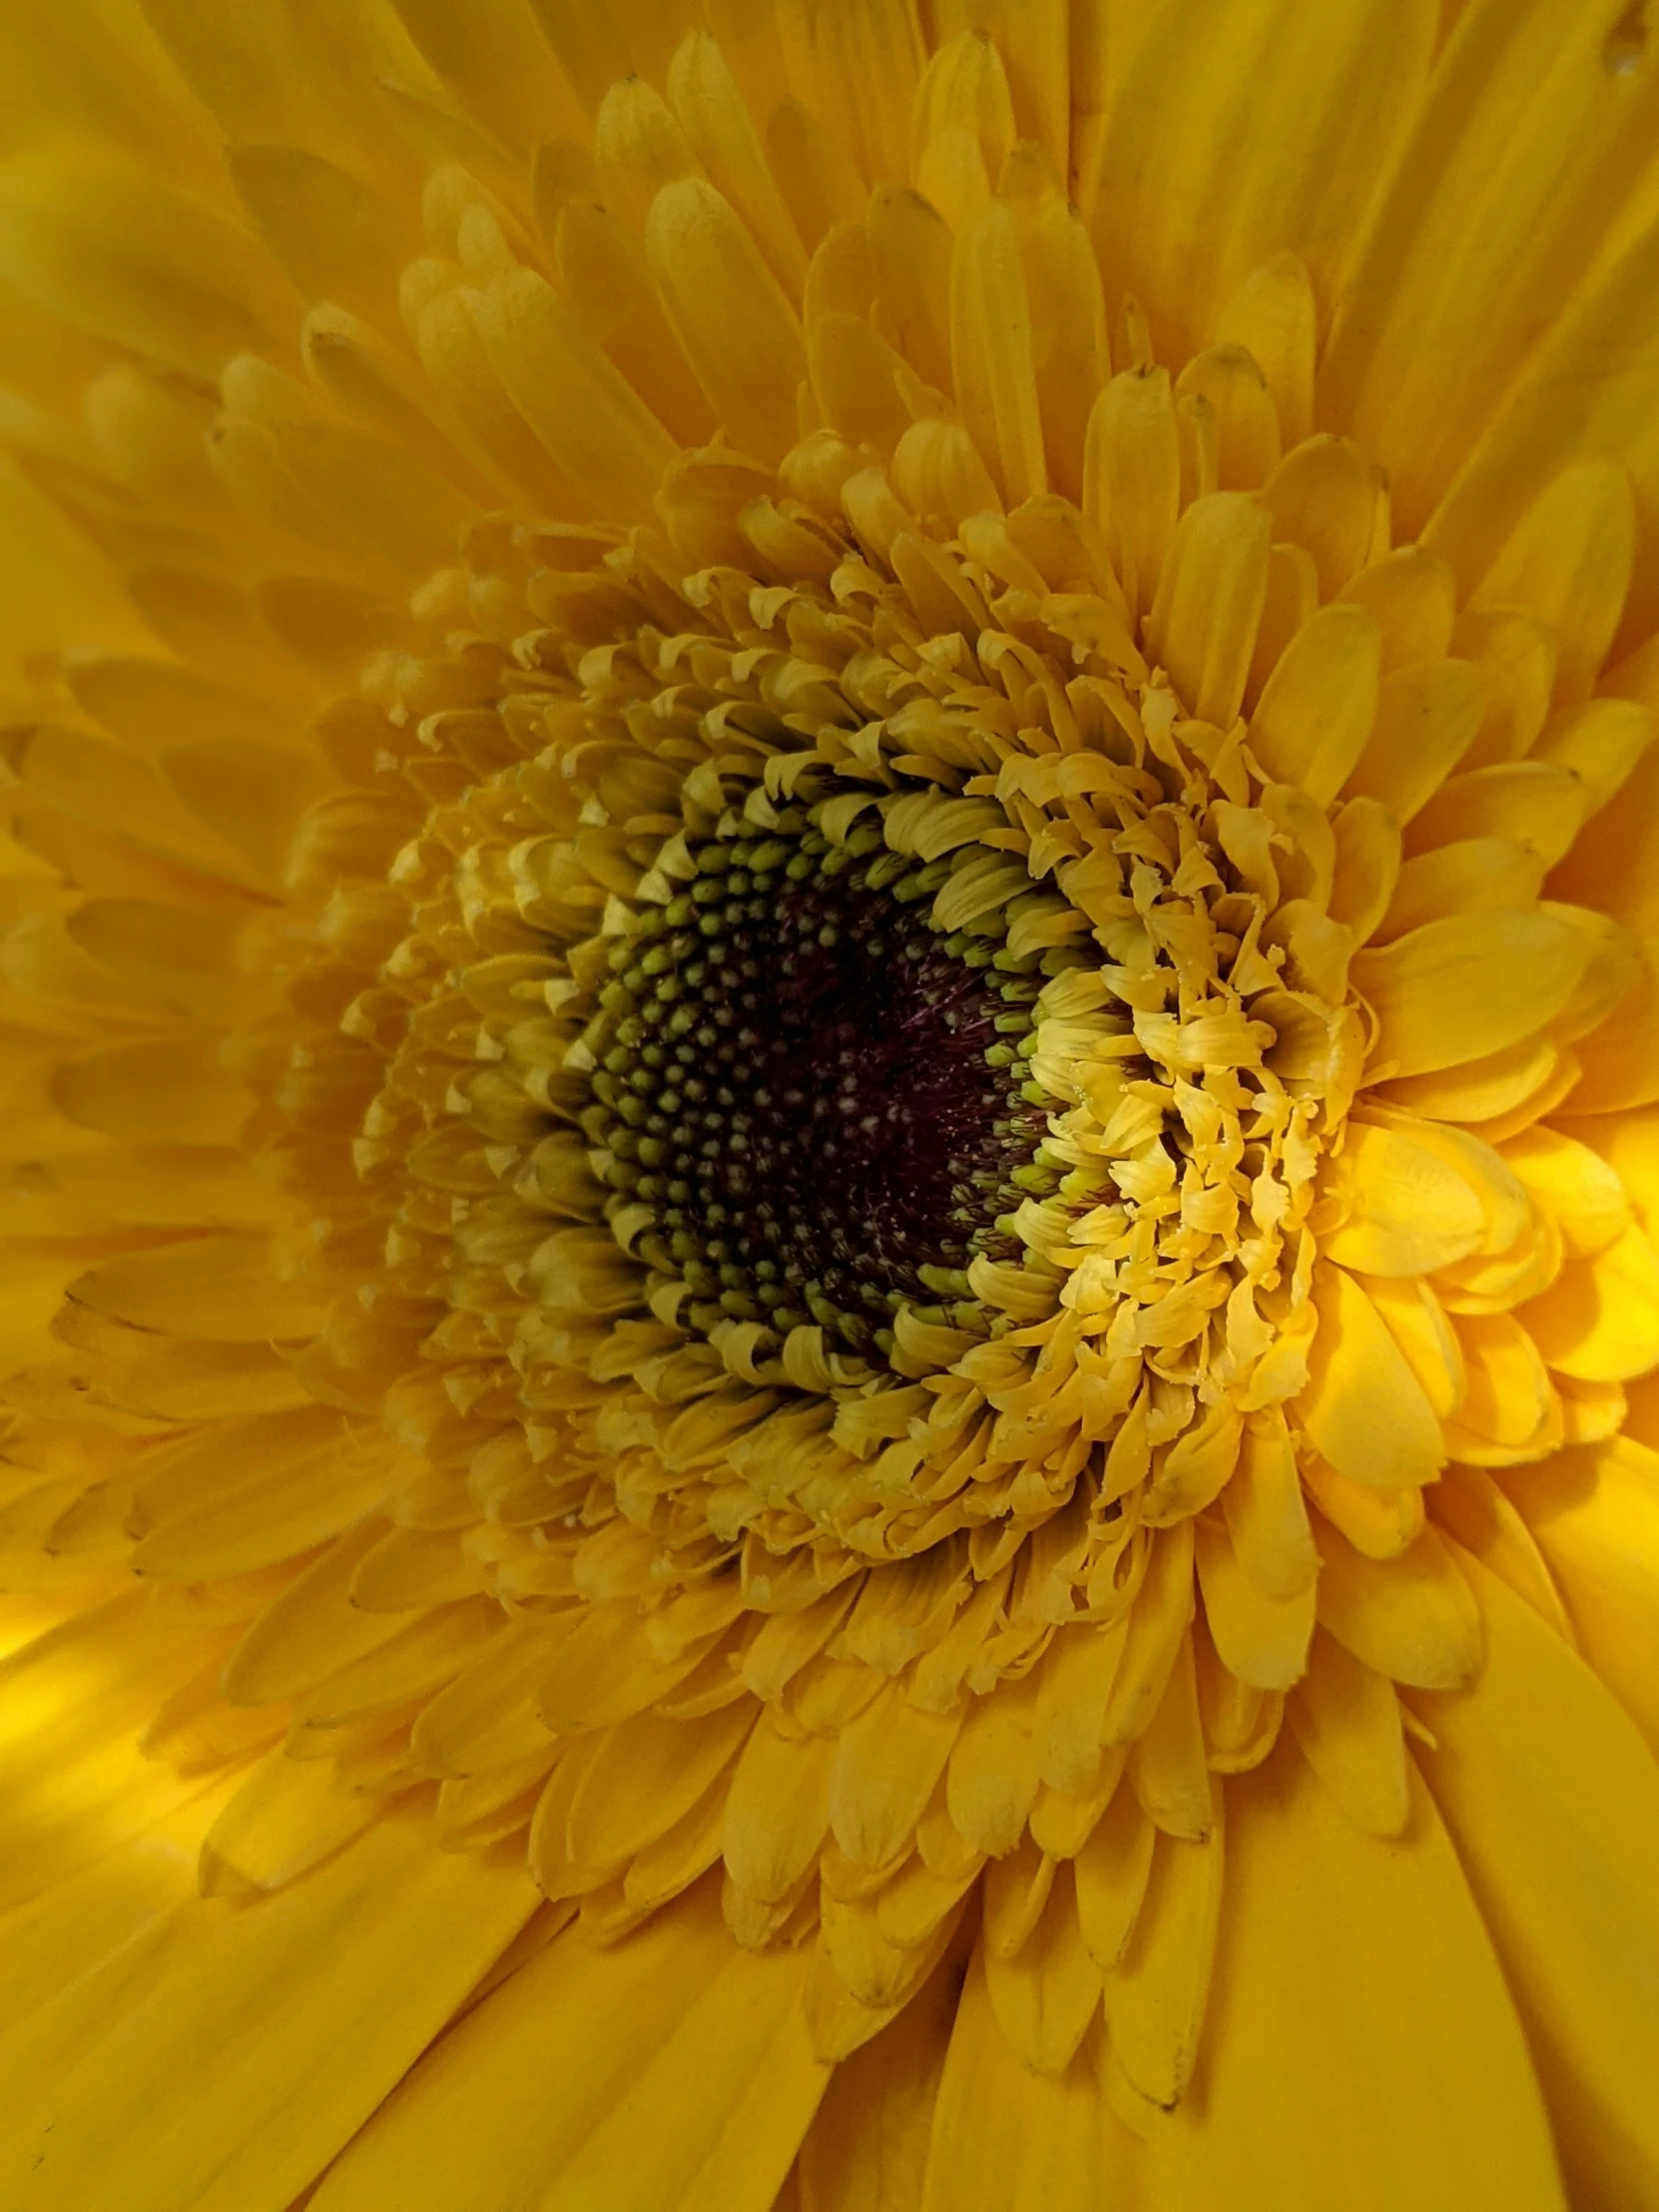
(1232, 385)
(1155, 1994)
(1068, 312)
(253, 1492)
(1595, 1515)
(777, 1808)
(152, 704)
(107, 788)
(1600, 1318)
(1524, 1079)
(1377, 1522)
(127, 258)
(1410, 1618)
(309, 1628)
(1412, 593)
(886, 1765)
(633, 38)
(218, 1287)
(1158, 1621)
(646, 1776)
(590, 421)
(861, 70)
(1576, 1185)
(1265, 1517)
(88, 1914)
(1209, 601)
(866, 2149)
(1132, 477)
(415, 1660)
(736, 327)
(705, 95)
(334, 237)
(284, 1819)
(912, 250)
(852, 379)
(153, 1092)
(1530, 802)
(1003, 2135)
(1457, 989)
(1046, 1994)
(1620, 1060)
(1201, 180)
(965, 88)
(1600, 743)
(75, 1783)
(1466, 877)
(992, 1777)
(673, 2069)
(497, 66)
(1364, 1409)
(1167, 1765)
(1516, 158)
(1614, 867)
(1408, 1211)
(488, 1716)
(1367, 866)
(1325, 496)
(1078, 1671)
(602, 1669)
(1355, 1969)
(992, 353)
(1316, 710)
(1569, 561)
(1550, 1792)
(1507, 1398)
(1470, 1507)
(1427, 719)
(1260, 1639)
(1273, 316)
(232, 2063)
(1345, 1717)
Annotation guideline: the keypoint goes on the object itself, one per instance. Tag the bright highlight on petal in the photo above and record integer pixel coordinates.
(830, 1110)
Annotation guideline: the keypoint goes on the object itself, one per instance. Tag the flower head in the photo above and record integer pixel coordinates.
(831, 1108)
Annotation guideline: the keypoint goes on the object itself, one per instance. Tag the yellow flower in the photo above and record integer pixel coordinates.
(830, 1017)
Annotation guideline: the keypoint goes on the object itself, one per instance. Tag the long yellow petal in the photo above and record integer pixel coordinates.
(1480, 241)
(734, 325)
(1207, 172)
(673, 2069)
(1355, 1972)
(240, 2056)
(1595, 1515)
(1552, 1795)
(218, 1287)
(590, 421)
(1029, 2142)
(866, 2149)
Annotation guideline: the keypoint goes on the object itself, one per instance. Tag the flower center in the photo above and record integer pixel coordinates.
(814, 1088)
